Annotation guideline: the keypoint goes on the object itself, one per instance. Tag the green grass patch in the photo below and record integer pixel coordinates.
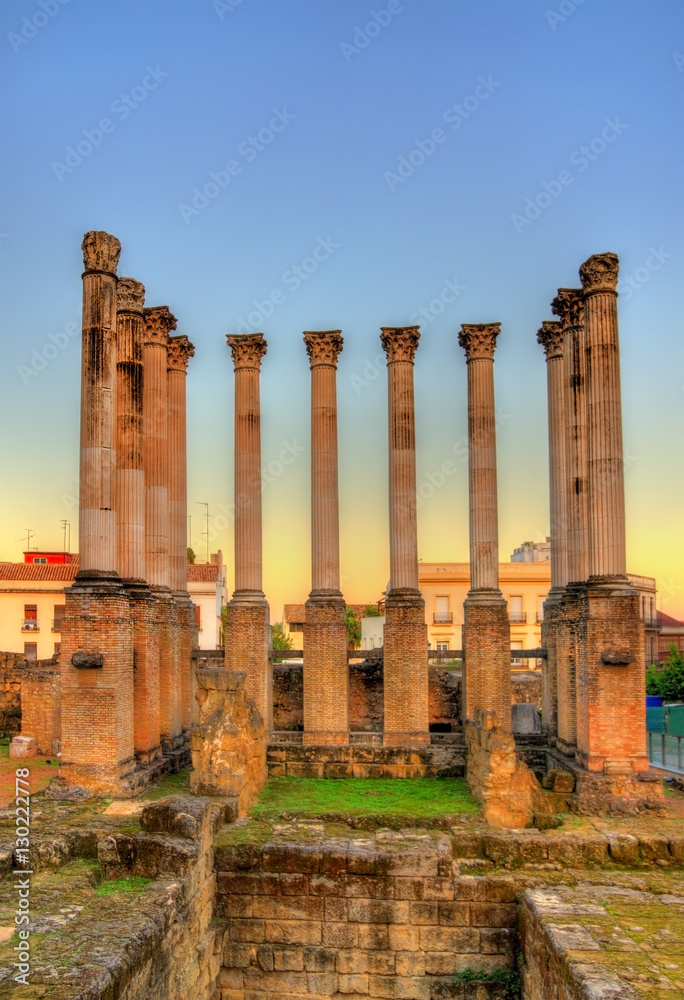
(508, 979)
(419, 798)
(136, 883)
(172, 784)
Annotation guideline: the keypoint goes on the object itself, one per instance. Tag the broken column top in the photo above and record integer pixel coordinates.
(569, 305)
(180, 351)
(600, 273)
(479, 340)
(159, 321)
(550, 336)
(247, 349)
(323, 346)
(400, 343)
(130, 295)
(100, 252)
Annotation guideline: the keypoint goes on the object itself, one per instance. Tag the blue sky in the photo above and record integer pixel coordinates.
(357, 91)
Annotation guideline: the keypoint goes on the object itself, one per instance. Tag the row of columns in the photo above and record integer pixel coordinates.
(593, 680)
(127, 690)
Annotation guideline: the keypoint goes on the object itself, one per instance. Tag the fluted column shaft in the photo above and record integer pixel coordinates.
(400, 345)
(158, 323)
(179, 352)
(130, 473)
(605, 468)
(551, 337)
(97, 512)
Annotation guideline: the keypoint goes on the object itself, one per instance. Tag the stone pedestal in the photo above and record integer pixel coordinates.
(326, 672)
(247, 625)
(566, 649)
(405, 635)
(486, 656)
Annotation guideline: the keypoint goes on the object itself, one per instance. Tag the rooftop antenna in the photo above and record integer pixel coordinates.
(66, 540)
(29, 535)
(204, 503)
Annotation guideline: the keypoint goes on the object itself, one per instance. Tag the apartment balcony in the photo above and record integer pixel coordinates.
(29, 625)
(443, 618)
(540, 617)
(652, 624)
(517, 617)
(56, 624)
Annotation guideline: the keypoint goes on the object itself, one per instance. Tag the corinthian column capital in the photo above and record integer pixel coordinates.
(323, 347)
(600, 273)
(159, 321)
(479, 340)
(247, 350)
(100, 252)
(400, 343)
(569, 305)
(130, 296)
(550, 336)
(179, 352)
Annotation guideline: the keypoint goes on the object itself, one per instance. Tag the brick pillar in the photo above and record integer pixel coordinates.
(130, 506)
(97, 646)
(611, 723)
(486, 631)
(326, 673)
(550, 336)
(569, 306)
(159, 321)
(180, 350)
(405, 643)
(247, 625)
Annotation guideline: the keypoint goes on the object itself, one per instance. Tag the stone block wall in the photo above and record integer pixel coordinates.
(502, 783)
(229, 746)
(371, 918)
(291, 760)
(11, 665)
(41, 705)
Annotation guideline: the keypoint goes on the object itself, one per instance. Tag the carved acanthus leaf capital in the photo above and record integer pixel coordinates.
(400, 343)
(159, 321)
(323, 347)
(569, 305)
(130, 295)
(600, 273)
(247, 349)
(180, 350)
(479, 340)
(550, 336)
(100, 252)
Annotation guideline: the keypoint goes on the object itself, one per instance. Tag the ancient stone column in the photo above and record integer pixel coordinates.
(611, 724)
(326, 684)
(405, 641)
(550, 336)
(180, 350)
(486, 630)
(569, 306)
(96, 659)
(247, 625)
(130, 507)
(159, 321)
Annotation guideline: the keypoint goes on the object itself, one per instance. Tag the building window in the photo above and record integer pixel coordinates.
(31, 650)
(295, 627)
(515, 609)
(40, 559)
(57, 649)
(30, 619)
(198, 617)
(443, 646)
(58, 612)
(516, 661)
(442, 615)
(540, 609)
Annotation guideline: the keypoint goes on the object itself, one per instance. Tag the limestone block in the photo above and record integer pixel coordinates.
(525, 719)
(23, 747)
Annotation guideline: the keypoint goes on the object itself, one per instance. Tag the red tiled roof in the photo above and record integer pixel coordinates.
(201, 573)
(667, 620)
(38, 571)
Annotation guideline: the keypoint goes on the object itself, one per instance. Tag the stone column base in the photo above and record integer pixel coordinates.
(248, 639)
(96, 663)
(549, 678)
(487, 656)
(187, 641)
(566, 618)
(611, 711)
(146, 734)
(170, 722)
(326, 670)
(405, 670)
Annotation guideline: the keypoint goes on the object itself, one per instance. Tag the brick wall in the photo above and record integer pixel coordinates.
(41, 716)
(10, 691)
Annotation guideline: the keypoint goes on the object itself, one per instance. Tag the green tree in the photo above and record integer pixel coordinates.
(653, 680)
(353, 628)
(278, 638)
(191, 555)
(371, 612)
(669, 680)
